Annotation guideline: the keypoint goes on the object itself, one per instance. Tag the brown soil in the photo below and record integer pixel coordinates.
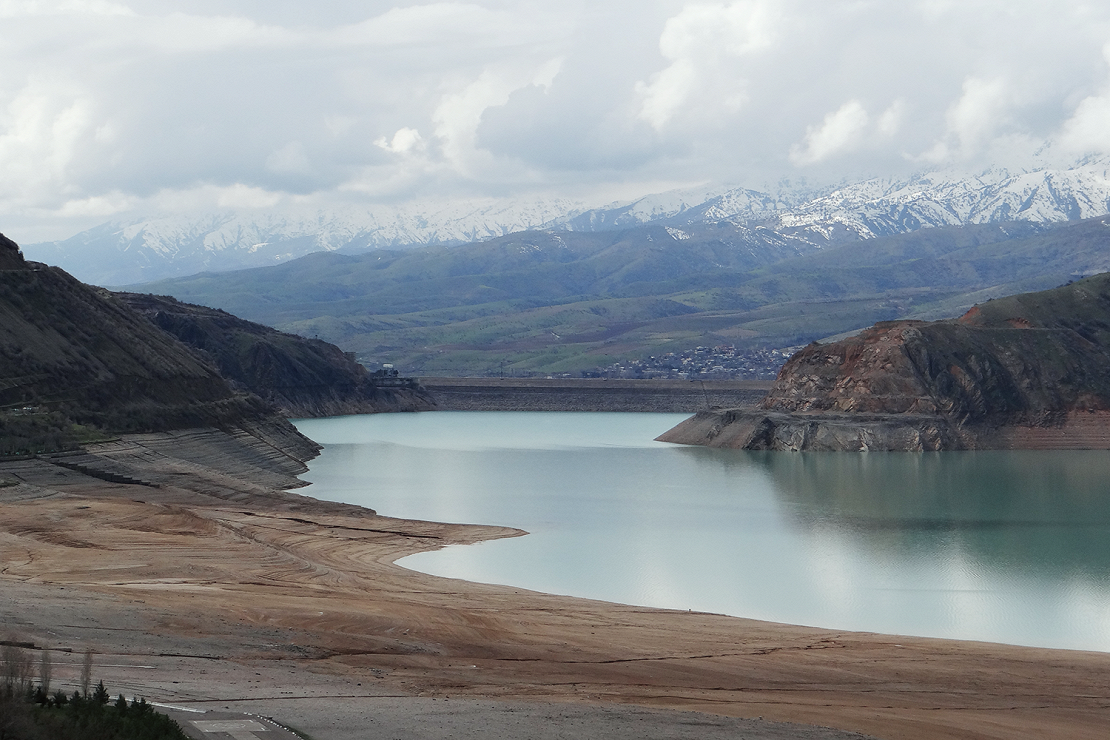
(271, 598)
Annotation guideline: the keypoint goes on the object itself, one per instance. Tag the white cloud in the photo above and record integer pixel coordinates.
(841, 131)
(243, 197)
(14, 8)
(108, 104)
(291, 159)
(434, 23)
(458, 114)
(979, 113)
(695, 42)
(98, 206)
(891, 119)
(973, 121)
(404, 141)
(1087, 131)
(43, 128)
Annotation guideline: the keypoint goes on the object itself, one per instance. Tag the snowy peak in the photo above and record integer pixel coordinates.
(122, 253)
(883, 207)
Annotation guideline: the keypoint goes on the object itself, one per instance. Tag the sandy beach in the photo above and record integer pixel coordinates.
(210, 587)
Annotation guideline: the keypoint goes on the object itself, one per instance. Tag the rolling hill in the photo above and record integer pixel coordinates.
(557, 301)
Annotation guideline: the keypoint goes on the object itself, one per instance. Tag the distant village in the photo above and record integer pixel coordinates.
(723, 362)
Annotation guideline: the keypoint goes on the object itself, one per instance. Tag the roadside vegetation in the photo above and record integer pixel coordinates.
(32, 709)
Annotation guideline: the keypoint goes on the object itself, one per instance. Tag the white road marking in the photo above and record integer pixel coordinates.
(180, 709)
(240, 729)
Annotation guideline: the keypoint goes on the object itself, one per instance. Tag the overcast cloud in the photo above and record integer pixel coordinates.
(109, 107)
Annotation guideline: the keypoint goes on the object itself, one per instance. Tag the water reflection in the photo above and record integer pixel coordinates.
(1038, 513)
(1010, 547)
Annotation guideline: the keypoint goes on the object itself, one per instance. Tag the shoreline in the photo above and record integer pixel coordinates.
(238, 592)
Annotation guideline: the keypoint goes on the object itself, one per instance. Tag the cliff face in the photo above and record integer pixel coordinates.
(10, 256)
(67, 349)
(1006, 374)
(300, 377)
(77, 365)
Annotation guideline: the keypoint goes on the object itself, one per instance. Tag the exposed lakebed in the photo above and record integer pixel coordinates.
(1000, 546)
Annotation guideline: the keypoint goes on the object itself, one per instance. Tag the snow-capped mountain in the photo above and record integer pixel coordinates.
(128, 252)
(883, 207)
(122, 253)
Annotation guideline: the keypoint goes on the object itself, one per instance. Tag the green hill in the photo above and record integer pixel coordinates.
(548, 301)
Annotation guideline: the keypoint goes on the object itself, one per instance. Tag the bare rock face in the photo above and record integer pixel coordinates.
(1021, 371)
(10, 256)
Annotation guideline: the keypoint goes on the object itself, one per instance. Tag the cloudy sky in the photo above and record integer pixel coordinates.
(113, 107)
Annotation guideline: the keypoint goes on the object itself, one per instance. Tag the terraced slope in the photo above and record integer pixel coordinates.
(75, 363)
(79, 364)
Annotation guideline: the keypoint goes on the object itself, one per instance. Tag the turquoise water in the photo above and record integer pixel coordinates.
(1001, 546)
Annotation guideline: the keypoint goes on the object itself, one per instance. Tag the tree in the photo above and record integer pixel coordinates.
(16, 670)
(46, 672)
(86, 673)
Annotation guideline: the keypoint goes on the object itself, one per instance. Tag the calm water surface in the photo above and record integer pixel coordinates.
(1001, 546)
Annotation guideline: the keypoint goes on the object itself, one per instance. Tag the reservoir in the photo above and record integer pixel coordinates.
(1009, 547)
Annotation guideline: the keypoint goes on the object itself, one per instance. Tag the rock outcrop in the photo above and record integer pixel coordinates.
(79, 364)
(1031, 370)
(10, 256)
(301, 377)
(74, 364)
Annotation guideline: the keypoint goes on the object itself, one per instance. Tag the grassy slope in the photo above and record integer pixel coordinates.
(567, 301)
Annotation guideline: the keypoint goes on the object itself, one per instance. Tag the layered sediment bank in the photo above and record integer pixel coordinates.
(202, 585)
(592, 394)
(756, 429)
(1029, 371)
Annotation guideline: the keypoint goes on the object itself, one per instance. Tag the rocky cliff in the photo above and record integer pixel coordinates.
(75, 364)
(1031, 370)
(10, 256)
(80, 364)
(300, 377)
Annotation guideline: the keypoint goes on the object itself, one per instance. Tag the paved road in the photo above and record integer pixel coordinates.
(221, 725)
(417, 718)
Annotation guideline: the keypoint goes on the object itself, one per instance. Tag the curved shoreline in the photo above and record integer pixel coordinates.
(249, 580)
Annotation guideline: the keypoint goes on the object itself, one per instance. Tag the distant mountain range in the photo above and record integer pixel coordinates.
(141, 250)
(551, 302)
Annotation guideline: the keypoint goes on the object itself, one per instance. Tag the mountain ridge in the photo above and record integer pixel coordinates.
(567, 302)
(166, 246)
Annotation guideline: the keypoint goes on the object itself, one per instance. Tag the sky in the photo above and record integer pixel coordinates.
(111, 108)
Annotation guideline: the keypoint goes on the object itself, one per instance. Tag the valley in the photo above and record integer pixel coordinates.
(547, 302)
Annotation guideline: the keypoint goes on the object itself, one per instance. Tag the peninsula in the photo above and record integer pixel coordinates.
(1031, 371)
